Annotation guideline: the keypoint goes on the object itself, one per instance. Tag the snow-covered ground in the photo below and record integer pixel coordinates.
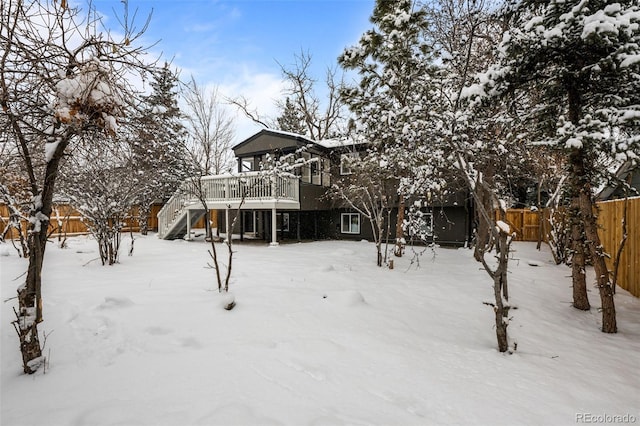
(319, 336)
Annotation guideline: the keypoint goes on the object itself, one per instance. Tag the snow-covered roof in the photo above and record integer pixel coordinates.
(337, 143)
(325, 143)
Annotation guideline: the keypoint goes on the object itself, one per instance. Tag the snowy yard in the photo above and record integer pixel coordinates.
(319, 336)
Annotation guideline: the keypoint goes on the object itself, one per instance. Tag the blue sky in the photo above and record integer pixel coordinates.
(235, 44)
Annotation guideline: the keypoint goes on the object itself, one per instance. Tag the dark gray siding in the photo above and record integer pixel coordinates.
(313, 197)
(451, 225)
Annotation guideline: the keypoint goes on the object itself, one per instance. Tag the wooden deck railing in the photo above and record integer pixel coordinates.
(227, 189)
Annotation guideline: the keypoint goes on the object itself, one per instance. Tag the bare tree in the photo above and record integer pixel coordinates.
(321, 120)
(269, 179)
(60, 81)
(211, 128)
(368, 189)
(103, 186)
(243, 104)
(195, 186)
(315, 117)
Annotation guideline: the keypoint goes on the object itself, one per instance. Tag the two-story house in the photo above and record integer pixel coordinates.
(298, 207)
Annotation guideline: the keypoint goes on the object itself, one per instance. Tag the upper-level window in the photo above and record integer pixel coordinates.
(306, 168)
(345, 162)
(313, 169)
(326, 172)
(247, 164)
(316, 165)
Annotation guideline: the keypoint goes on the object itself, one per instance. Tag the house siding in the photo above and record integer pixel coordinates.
(319, 216)
(313, 197)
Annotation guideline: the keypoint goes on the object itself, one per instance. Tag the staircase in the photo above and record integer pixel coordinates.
(179, 228)
(251, 191)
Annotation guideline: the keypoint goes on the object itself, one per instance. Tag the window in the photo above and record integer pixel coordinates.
(282, 222)
(315, 170)
(306, 168)
(247, 164)
(346, 161)
(326, 172)
(350, 223)
(421, 225)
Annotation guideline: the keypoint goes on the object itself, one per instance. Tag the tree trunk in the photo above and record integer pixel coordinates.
(609, 324)
(30, 308)
(30, 293)
(30, 304)
(144, 210)
(582, 186)
(483, 230)
(399, 248)
(578, 275)
(540, 212)
(501, 316)
(500, 290)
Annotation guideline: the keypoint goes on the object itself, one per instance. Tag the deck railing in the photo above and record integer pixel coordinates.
(227, 189)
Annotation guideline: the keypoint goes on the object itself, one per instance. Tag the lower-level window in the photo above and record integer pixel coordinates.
(282, 222)
(421, 225)
(350, 223)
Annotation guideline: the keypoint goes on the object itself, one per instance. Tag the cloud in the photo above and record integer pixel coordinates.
(261, 89)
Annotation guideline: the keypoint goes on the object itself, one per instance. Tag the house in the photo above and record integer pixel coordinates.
(629, 173)
(300, 204)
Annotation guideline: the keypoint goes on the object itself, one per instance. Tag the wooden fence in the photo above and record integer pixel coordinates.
(524, 222)
(610, 222)
(526, 225)
(65, 220)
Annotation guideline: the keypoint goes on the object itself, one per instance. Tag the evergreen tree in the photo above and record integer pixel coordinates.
(582, 59)
(291, 119)
(392, 101)
(158, 145)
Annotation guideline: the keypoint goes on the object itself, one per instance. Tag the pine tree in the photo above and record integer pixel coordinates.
(158, 145)
(291, 119)
(391, 102)
(582, 60)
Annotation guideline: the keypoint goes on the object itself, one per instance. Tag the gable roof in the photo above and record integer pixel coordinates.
(293, 138)
(267, 140)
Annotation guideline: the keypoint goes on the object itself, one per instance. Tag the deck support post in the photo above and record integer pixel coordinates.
(188, 236)
(226, 224)
(274, 227)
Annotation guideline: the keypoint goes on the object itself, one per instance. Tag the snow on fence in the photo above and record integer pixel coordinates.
(65, 220)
